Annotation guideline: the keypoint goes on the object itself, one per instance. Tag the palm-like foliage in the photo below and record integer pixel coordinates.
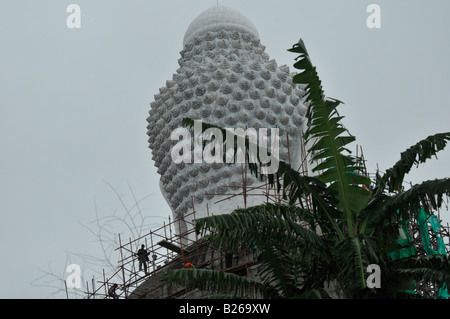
(303, 250)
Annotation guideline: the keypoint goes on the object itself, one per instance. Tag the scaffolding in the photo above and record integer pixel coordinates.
(168, 250)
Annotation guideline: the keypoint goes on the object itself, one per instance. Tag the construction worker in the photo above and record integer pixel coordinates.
(112, 291)
(142, 255)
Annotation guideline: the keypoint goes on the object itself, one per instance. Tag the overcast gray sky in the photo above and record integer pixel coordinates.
(74, 103)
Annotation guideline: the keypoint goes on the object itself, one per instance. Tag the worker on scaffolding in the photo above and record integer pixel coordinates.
(142, 255)
(112, 291)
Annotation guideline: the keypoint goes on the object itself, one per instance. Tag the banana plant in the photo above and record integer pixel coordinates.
(329, 139)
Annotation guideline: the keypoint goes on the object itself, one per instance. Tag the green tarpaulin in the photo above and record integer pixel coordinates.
(405, 239)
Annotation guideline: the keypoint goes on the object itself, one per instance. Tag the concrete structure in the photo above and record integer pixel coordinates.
(227, 79)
